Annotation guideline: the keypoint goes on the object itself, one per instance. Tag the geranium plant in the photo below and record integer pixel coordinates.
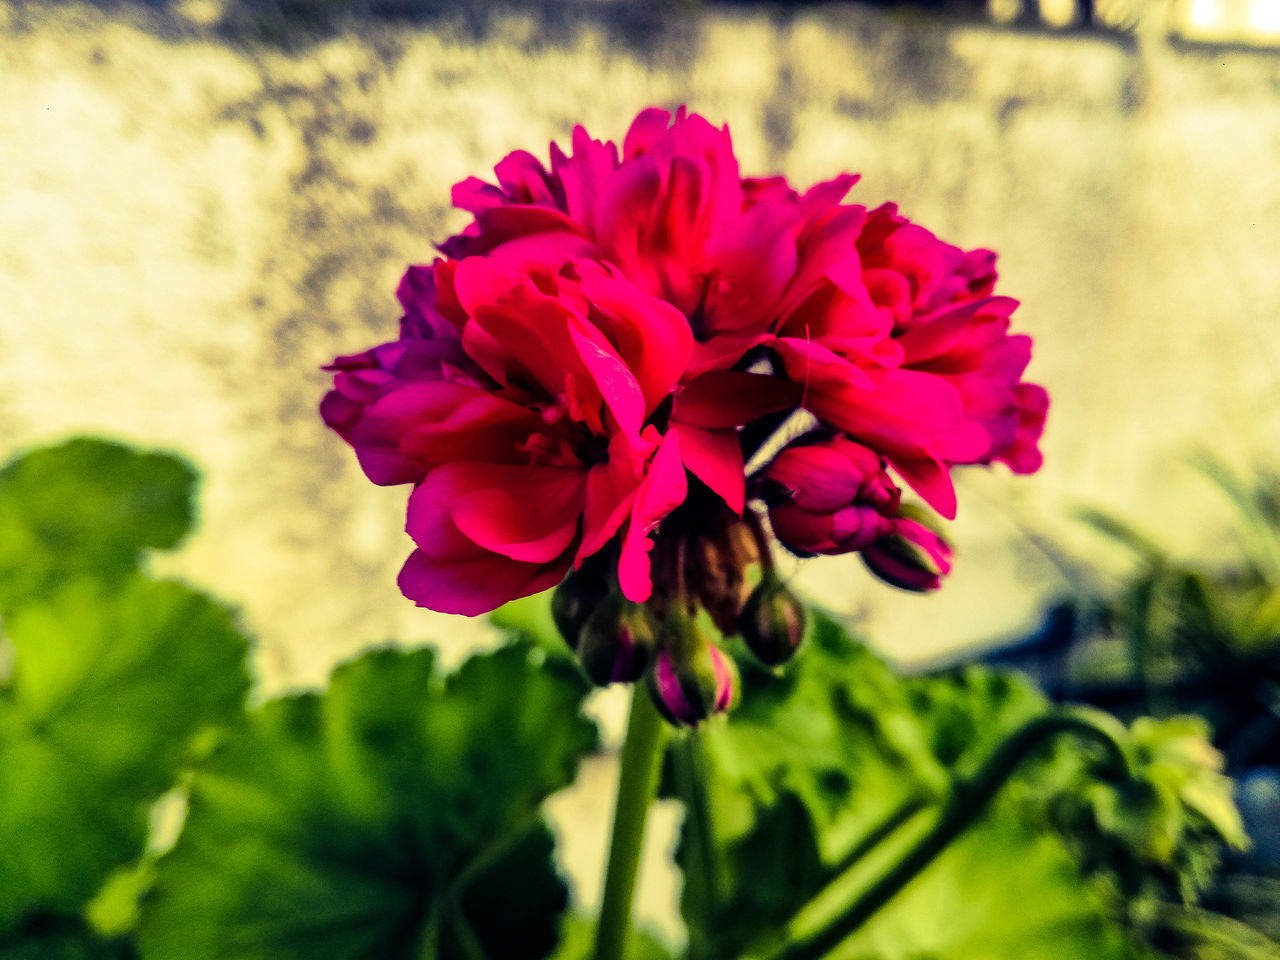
(633, 365)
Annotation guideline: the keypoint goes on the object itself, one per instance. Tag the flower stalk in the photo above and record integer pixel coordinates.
(641, 763)
(965, 804)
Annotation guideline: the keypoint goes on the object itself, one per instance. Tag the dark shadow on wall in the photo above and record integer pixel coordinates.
(638, 24)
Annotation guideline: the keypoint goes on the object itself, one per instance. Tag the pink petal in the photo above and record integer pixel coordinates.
(664, 489)
(522, 512)
(939, 333)
(722, 351)
(646, 130)
(449, 571)
(931, 480)
(650, 335)
(822, 196)
(826, 251)
(582, 175)
(379, 435)
(473, 585)
(891, 411)
(754, 258)
(480, 427)
(612, 488)
(614, 380)
(715, 458)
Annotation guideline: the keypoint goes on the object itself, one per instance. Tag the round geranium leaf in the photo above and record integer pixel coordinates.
(396, 815)
(108, 688)
(87, 506)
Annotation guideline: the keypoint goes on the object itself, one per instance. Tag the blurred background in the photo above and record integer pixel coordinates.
(204, 201)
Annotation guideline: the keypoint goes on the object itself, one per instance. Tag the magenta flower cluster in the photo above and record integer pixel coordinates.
(584, 374)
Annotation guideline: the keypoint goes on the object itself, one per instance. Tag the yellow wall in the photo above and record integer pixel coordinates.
(192, 227)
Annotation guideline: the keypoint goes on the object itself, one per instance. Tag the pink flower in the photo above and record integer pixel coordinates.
(620, 331)
(671, 212)
(915, 360)
(528, 445)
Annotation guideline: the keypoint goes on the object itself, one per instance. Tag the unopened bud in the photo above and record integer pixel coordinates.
(830, 496)
(688, 685)
(615, 642)
(772, 621)
(912, 556)
(573, 602)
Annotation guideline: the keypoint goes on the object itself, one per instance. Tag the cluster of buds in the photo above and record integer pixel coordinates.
(701, 559)
(822, 495)
(617, 641)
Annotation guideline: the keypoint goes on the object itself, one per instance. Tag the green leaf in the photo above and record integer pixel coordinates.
(836, 730)
(1000, 892)
(529, 619)
(109, 686)
(818, 781)
(397, 815)
(753, 885)
(1178, 755)
(50, 937)
(87, 507)
(966, 712)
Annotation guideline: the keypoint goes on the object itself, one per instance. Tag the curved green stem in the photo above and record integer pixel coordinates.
(966, 802)
(641, 763)
(891, 824)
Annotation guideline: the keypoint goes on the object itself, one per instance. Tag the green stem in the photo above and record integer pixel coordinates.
(880, 833)
(690, 783)
(429, 938)
(966, 802)
(637, 785)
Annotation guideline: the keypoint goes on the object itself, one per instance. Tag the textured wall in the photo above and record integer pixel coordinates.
(191, 227)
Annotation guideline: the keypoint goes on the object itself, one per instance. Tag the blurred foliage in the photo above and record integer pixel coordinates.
(394, 816)
(1183, 636)
(827, 771)
(896, 749)
(1196, 636)
(86, 509)
(113, 679)
(398, 812)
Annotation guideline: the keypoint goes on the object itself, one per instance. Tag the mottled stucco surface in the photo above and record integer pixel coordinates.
(192, 226)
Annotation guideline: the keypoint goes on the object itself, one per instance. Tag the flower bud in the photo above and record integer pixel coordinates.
(832, 496)
(912, 557)
(690, 685)
(615, 642)
(772, 621)
(573, 602)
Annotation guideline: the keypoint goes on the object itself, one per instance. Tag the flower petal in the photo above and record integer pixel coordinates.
(664, 489)
(473, 585)
(525, 513)
(715, 458)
